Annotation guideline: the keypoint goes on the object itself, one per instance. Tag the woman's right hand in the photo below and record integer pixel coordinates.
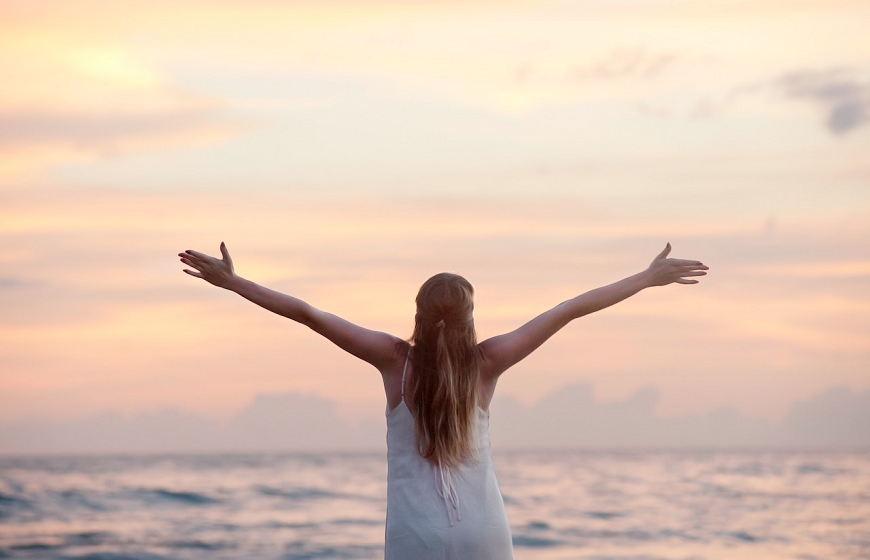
(214, 271)
(663, 271)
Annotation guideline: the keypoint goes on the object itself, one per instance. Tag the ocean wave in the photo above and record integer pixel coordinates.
(176, 497)
(744, 536)
(297, 493)
(816, 468)
(199, 545)
(313, 494)
(287, 525)
(11, 505)
(117, 556)
(72, 497)
(305, 551)
(362, 522)
(7, 499)
(89, 538)
(521, 541)
(627, 534)
(36, 546)
(603, 514)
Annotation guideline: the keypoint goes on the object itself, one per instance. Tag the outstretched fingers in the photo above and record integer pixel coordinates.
(688, 266)
(688, 271)
(193, 260)
(189, 257)
(197, 255)
(189, 261)
(685, 272)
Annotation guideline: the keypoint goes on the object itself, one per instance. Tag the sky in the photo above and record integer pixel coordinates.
(346, 151)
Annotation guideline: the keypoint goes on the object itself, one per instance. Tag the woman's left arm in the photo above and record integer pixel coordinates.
(501, 352)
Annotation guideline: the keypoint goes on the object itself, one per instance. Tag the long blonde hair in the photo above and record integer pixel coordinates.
(446, 372)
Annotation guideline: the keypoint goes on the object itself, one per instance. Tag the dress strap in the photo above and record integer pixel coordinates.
(404, 369)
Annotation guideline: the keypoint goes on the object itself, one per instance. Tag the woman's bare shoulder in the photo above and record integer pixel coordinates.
(485, 364)
(393, 373)
(401, 351)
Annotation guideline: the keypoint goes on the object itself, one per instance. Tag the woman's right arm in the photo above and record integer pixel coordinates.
(374, 347)
(501, 352)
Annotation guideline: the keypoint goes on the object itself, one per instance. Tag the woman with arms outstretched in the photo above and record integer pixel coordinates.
(443, 498)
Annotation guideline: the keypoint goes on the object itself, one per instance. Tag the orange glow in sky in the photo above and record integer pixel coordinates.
(347, 151)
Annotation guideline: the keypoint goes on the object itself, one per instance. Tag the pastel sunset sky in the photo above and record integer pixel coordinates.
(346, 151)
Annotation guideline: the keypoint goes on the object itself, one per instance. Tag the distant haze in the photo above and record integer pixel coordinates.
(570, 418)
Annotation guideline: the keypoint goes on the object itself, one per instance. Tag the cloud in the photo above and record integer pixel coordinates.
(837, 416)
(568, 418)
(843, 96)
(271, 422)
(102, 132)
(37, 140)
(289, 420)
(79, 93)
(10, 282)
(622, 63)
(572, 417)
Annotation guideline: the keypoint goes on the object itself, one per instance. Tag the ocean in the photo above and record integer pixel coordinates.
(687, 504)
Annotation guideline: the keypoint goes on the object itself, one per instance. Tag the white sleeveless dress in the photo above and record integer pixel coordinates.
(441, 513)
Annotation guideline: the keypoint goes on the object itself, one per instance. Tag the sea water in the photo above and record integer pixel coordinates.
(561, 504)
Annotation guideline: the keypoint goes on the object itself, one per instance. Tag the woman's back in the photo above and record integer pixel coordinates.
(440, 512)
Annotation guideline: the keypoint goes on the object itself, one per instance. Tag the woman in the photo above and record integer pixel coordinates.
(443, 499)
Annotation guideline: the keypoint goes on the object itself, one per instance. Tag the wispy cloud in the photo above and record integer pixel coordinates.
(623, 63)
(84, 94)
(843, 95)
(34, 142)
